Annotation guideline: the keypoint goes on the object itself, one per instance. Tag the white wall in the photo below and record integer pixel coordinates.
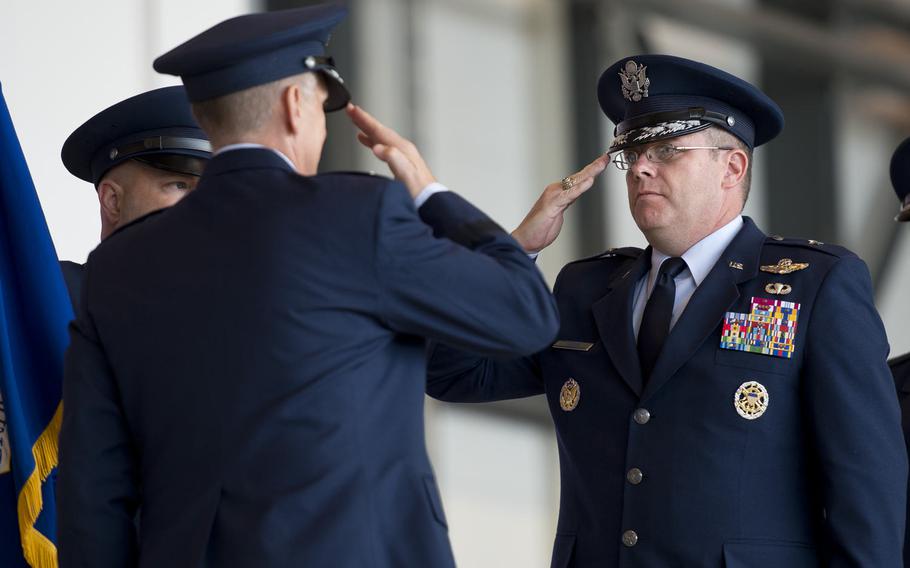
(499, 479)
(490, 111)
(892, 299)
(62, 62)
(490, 114)
(867, 203)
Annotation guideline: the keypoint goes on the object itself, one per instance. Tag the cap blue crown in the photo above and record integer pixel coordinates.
(157, 122)
(655, 97)
(256, 49)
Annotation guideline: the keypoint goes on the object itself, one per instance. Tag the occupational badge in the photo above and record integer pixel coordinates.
(569, 395)
(785, 266)
(634, 81)
(769, 328)
(778, 289)
(751, 400)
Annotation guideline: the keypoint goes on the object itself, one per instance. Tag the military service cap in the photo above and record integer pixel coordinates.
(156, 127)
(655, 97)
(256, 49)
(900, 178)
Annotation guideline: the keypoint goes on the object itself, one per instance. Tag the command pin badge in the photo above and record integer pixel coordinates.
(751, 400)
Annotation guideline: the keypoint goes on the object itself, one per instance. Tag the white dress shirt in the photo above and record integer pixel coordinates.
(248, 145)
(421, 198)
(700, 259)
(428, 192)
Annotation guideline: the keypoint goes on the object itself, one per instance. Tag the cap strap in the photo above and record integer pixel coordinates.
(160, 143)
(314, 61)
(693, 113)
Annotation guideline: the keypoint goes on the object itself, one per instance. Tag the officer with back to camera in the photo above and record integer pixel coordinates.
(249, 367)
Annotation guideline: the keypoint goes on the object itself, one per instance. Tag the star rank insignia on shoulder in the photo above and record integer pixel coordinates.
(808, 245)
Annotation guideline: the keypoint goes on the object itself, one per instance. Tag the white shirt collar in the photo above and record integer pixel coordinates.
(248, 145)
(703, 255)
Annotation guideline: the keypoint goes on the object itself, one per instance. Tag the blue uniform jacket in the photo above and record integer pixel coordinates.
(72, 275)
(249, 366)
(900, 368)
(670, 474)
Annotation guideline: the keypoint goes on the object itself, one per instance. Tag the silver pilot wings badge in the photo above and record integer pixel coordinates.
(634, 81)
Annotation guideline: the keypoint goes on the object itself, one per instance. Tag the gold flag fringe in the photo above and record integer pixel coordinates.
(39, 551)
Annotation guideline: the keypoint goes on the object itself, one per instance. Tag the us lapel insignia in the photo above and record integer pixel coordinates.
(769, 328)
(634, 81)
(569, 395)
(778, 289)
(785, 266)
(573, 345)
(736, 265)
(751, 400)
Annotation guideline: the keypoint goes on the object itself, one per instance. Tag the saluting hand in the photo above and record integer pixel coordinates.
(399, 153)
(543, 222)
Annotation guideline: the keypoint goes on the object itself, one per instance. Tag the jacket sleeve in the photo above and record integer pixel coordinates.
(454, 276)
(459, 376)
(72, 275)
(97, 484)
(850, 398)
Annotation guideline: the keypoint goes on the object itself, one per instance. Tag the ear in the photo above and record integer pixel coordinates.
(291, 99)
(737, 166)
(110, 197)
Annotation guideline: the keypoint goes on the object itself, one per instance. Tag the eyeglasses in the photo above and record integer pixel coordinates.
(658, 154)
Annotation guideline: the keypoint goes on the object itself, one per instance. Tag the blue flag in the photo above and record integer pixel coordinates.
(34, 312)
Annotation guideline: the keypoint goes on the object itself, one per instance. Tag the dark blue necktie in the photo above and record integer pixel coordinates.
(655, 322)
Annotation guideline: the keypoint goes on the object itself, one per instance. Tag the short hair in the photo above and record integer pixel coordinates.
(720, 137)
(234, 115)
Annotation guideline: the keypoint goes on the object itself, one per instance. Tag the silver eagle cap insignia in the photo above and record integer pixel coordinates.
(634, 81)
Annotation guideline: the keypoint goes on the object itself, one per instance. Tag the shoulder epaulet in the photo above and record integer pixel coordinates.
(629, 252)
(810, 244)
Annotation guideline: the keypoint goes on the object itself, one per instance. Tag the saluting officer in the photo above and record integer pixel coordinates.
(142, 154)
(722, 397)
(900, 366)
(249, 367)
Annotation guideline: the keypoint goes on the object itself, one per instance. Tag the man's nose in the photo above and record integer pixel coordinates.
(642, 167)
